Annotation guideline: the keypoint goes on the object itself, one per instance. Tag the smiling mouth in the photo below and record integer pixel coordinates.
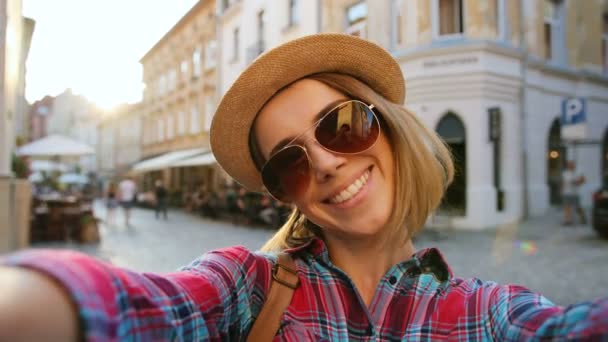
(350, 190)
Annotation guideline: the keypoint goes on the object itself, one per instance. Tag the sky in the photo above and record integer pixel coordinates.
(94, 46)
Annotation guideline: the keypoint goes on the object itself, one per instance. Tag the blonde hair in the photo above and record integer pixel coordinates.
(423, 166)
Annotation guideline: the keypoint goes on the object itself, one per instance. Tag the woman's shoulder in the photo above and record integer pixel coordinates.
(233, 261)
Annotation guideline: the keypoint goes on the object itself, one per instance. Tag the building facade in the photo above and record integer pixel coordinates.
(493, 77)
(515, 87)
(180, 76)
(38, 113)
(15, 37)
(74, 116)
(119, 140)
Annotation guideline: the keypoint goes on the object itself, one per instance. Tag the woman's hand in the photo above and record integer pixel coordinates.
(33, 307)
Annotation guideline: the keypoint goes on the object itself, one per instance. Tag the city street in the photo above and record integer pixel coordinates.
(566, 264)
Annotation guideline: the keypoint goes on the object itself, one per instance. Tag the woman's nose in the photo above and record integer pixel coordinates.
(325, 164)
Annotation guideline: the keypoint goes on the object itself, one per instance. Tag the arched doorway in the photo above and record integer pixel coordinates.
(452, 130)
(556, 159)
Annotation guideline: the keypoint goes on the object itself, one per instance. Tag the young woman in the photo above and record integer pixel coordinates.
(318, 122)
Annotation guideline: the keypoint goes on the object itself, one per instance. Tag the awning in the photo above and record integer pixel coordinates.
(166, 160)
(200, 160)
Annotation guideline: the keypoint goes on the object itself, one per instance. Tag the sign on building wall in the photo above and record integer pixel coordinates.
(574, 118)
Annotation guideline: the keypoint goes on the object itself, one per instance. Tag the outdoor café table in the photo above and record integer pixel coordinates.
(56, 216)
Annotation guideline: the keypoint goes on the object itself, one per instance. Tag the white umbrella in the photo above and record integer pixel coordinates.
(73, 178)
(55, 145)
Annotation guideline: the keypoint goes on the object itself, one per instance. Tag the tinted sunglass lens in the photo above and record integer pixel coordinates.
(350, 128)
(287, 174)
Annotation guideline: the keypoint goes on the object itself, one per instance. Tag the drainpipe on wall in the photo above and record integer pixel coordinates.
(523, 108)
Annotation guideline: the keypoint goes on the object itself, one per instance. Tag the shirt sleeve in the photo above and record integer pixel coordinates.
(213, 298)
(518, 314)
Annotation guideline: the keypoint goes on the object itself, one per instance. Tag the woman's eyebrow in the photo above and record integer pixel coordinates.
(316, 118)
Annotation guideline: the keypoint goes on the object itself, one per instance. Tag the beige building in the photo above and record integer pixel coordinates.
(180, 96)
(515, 87)
(119, 140)
(498, 79)
(74, 116)
(15, 37)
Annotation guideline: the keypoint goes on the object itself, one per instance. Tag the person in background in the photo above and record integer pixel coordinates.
(571, 182)
(111, 204)
(127, 189)
(160, 193)
(267, 213)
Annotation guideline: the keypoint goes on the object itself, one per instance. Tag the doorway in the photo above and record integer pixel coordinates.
(452, 130)
(556, 159)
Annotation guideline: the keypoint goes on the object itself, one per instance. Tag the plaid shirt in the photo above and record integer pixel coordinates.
(218, 296)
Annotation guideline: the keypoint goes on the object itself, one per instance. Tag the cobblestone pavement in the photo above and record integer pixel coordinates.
(566, 264)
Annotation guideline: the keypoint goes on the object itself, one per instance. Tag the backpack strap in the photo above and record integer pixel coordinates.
(285, 281)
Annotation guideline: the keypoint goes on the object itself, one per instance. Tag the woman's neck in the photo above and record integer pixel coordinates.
(367, 260)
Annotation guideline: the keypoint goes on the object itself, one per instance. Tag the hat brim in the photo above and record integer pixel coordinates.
(281, 66)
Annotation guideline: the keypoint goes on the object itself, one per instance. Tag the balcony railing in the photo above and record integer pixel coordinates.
(255, 50)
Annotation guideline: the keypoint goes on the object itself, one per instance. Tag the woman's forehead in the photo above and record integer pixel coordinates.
(291, 111)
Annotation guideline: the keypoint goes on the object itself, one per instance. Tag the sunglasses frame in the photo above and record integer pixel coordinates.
(291, 144)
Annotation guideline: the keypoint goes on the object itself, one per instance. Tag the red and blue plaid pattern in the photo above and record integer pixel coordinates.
(218, 296)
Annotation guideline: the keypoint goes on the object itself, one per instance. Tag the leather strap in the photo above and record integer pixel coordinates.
(285, 281)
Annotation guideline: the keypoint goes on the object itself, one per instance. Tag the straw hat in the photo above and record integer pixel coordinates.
(282, 66)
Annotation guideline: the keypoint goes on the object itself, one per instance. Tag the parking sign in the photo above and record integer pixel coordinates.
(574, 118)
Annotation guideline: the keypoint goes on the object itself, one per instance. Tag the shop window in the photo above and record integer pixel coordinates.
(356, 17)
(183, 67)
(451, 17)
(210, 54)
(196, 62)
(554, 40)
(293, 13)
(397, 21)
(235, 44)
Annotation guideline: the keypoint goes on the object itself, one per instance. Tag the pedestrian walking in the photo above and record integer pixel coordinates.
(571, 182)
(342, 268)
(111, 204)
(160, 193)
(127, 189)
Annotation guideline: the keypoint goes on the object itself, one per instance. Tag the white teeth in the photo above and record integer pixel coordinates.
(351, 190)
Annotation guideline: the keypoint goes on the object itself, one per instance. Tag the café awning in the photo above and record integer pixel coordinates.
(199, 160)
(166, 160)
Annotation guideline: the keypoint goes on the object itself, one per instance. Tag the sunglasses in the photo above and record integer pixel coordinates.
(349, 128)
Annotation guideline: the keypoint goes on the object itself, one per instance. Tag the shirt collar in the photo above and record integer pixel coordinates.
(426, 260)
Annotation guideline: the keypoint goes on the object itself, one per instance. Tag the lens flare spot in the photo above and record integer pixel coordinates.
(527, 247)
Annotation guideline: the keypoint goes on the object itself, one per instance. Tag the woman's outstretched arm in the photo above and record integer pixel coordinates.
(33, 307)
(214, 298)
